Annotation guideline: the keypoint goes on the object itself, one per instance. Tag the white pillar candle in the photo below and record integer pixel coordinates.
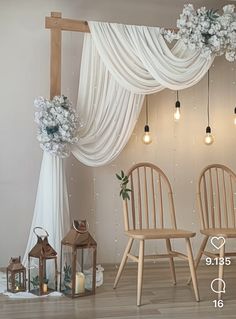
(79, 283)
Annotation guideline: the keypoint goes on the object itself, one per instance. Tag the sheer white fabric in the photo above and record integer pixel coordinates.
(51, 207)
(108, 111)
(140, 60)
(120, 64)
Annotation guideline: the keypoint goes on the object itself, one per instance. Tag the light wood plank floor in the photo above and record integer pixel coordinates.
(160, 298)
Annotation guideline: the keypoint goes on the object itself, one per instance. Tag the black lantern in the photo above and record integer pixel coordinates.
(42, 259)
(16, 275)
(78, 261)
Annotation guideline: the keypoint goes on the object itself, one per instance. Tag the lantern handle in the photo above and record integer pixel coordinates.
(38, 227)
(76, 224)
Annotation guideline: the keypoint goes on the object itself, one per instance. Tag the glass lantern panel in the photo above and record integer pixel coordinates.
(19, 281)
(66, 271)
(84, 270)
(49, 276)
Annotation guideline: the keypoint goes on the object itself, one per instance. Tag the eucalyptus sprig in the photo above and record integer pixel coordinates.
(124, 180)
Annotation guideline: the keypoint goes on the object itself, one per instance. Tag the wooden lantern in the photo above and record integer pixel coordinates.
(42, 265)
(16, 275)
(78, 262)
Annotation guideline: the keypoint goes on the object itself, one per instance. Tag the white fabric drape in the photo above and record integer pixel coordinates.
(108, 111)
(120, 64)
(51, 207)
(140, 60)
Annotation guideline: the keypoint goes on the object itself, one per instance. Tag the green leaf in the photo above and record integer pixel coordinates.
(122, 174)
(118, 177)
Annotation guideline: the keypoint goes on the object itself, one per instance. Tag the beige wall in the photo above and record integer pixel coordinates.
(177, 148)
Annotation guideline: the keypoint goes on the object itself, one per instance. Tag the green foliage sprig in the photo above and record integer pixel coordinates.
(68, 275)
(124, 180)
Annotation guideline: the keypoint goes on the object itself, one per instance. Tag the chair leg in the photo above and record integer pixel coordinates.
(192, 269)
(140, 271)
(123, 262)
(199, 255)
(221, 271)
(171, 260)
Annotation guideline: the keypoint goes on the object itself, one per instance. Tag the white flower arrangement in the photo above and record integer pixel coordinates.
(207, 31)
(57, 125)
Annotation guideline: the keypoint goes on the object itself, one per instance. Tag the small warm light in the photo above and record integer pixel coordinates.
(17, 288)
(209, 139)
(147, 139)
(177, 111)
(235, 116)
(45, 288)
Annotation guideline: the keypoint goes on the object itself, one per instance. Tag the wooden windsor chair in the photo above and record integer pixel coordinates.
(146, 216)
(216, 188)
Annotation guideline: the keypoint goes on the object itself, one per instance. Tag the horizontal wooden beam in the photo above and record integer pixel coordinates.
(66, 24)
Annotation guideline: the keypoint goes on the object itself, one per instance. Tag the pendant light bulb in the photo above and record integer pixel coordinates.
(208, 139)
(235, 116)
(147, 139)
(177, 107)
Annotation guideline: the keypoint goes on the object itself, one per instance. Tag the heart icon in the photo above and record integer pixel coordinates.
(217, 242)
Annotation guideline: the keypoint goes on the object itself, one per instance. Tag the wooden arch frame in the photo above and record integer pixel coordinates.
(57, 24)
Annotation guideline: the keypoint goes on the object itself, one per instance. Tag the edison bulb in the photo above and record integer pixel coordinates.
(177, 111)
(177, 114)
(147, 139)
(208, 139)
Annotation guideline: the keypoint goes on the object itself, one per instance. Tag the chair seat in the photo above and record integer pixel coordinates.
(159, 233)
(225, 232)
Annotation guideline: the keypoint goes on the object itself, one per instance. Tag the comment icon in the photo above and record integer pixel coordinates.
(220, 284)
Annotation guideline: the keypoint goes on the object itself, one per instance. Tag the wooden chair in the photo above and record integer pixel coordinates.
(216, 188)
(147, 215)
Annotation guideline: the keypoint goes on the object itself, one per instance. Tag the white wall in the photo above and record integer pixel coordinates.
(24, 65)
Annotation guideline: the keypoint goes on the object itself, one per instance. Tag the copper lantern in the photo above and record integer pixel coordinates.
(42, 265)
(16, 275)
(78, 262)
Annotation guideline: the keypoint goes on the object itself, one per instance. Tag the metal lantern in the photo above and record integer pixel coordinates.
(42, 264)
(78, 261)
(16, 275)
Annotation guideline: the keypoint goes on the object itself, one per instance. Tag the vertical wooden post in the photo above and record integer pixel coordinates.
(55, 61)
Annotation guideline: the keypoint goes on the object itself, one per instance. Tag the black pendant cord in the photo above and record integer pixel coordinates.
(146, 109)
(177, 95)
(208, 98)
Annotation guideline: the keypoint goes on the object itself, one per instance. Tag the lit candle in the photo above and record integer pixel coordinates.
(79, 283)
(45, 288)
(17, 288)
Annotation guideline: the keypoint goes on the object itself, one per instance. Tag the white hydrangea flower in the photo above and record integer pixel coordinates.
(57, 125)
(212, 33)
(229, 9)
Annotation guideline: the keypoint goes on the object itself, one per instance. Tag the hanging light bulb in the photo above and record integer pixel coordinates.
(147, 139)
(235, 116)
(208, 139)
(177, 108)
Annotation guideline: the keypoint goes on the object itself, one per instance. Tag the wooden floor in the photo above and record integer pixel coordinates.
(160, 298)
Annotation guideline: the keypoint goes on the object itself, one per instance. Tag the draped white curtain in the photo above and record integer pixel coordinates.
(120, 64)
(51, 207)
